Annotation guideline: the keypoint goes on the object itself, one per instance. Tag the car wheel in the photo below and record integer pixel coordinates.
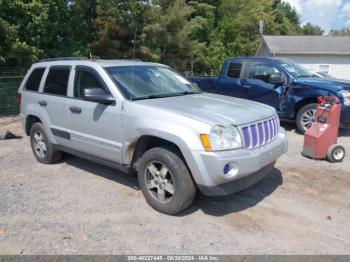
(336, 153)
(165, 181)
(305, 117)
(43, 150)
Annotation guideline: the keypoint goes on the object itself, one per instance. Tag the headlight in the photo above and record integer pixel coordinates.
(223, 138)
(346, 96)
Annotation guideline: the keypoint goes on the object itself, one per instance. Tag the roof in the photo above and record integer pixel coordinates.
(86, 62)
(336, 45)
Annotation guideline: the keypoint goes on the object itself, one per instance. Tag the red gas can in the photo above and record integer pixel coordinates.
(320, 140)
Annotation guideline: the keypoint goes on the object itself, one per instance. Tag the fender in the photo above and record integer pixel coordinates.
(302, 95)
(32, 109)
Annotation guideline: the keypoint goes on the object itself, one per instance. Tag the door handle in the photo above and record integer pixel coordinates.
(42, 103)
(247, 86)
(75, 109)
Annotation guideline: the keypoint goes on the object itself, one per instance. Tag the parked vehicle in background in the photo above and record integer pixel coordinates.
(280, 83)
(146, 118)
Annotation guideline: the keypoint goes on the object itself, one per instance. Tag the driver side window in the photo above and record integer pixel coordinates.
(85, 79)
(261, 71)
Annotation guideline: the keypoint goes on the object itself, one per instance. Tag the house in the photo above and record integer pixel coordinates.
(329, 54)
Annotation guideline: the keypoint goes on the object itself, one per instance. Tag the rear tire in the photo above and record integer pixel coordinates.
(165, 181)
(305, 117)
(335, 153)
(43, 150)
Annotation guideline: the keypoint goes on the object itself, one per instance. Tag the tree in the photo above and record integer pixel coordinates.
(189, 35)
(310, 29)
(172, 35)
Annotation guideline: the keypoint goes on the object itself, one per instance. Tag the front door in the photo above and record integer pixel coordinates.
(257, 85)
(95, 129)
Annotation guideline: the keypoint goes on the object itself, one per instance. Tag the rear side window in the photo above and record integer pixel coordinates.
(57, 81)
(34, 79)
(234, 70)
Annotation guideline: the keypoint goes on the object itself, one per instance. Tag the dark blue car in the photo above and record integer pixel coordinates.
(280, 83)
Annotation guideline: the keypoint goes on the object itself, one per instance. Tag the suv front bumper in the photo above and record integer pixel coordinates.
(242, 167)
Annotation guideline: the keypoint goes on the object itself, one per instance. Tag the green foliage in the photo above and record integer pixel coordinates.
(309, 29)
(189, 35)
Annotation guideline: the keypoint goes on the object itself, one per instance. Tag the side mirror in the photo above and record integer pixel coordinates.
(98, 95)
(277, 79)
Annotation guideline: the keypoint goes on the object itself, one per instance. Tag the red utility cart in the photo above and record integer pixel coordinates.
(320, 140)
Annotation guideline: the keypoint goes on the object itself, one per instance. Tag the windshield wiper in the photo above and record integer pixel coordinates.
(164, 95)
(147, 97)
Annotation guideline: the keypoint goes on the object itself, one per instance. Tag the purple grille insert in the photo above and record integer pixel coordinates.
(246, 137)
(270, 130)
(261, 134)
(266, 129)
(273, 124)
(276, 121)
(254, 135)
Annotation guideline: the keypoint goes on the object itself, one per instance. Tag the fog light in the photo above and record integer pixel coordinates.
(230, 170)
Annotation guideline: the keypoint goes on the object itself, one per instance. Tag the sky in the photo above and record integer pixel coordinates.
(328, 14)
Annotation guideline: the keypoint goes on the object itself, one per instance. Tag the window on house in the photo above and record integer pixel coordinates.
(323, 68)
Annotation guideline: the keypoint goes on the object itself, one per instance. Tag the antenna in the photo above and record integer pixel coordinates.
(135, 35)
(133, 56)
(261, 27)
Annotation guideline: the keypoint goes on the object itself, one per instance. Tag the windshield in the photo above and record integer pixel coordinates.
(293, 68)
(144, 82)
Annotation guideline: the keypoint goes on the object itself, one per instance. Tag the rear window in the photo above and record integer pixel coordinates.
(34, 79)
(57, 81)
(234, 70)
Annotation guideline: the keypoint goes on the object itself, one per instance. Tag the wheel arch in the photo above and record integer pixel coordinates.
(30, 121)
(303, 102)
(146, 142)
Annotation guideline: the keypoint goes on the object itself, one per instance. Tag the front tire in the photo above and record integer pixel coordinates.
(43, 150)
(305, 117)
(165, 181)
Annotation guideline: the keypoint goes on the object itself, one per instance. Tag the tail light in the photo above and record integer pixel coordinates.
(19, 100)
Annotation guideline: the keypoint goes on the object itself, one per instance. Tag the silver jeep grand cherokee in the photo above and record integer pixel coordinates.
(146, 118)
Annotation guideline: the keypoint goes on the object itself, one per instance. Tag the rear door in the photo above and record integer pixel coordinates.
(257, 86)
(230, 80)
(53, 100)
(95, 129)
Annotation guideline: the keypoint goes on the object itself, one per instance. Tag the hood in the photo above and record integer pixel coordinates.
(332, 85)
(213, 109)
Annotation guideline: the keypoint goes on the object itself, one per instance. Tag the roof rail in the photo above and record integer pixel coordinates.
(62, 59)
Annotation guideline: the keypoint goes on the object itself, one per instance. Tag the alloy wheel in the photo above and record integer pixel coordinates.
(159, 181)
(39, 144)
(307, 118)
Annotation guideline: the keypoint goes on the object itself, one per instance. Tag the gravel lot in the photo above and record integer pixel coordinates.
(79, 207)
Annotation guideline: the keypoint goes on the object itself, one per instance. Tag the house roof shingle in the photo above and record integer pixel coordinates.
(308, 44)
